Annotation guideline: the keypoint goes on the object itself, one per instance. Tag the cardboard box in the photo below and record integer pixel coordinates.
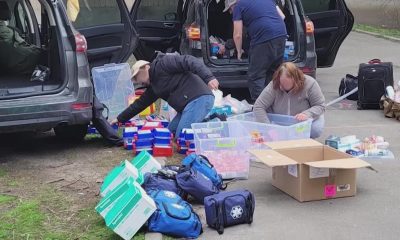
(307, 170)
(111, 198)
(145, 162)
(129, 211)
(118, 175)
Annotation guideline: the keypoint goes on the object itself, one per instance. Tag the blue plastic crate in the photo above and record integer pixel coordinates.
(162, 141)
(145, 134)
(129, 132)
(162, 133)
(181, 142)
(140, 143)
(189, 134)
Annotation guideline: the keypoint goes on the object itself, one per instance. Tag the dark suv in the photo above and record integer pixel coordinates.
(102, 33)
(315, 28)
(78, 35)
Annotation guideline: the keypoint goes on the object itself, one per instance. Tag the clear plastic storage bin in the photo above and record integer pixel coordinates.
(282, 127)
(113, 86)
(225, 144)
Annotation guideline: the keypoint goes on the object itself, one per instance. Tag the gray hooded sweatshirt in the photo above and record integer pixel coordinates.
(309, 101)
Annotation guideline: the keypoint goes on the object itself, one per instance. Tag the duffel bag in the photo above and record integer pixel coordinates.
(229, 208)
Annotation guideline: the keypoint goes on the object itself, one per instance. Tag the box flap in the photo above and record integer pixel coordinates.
(272, 158)
(346, 163)
(293, 144)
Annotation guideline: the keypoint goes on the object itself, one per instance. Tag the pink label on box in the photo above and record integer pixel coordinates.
(330, 191)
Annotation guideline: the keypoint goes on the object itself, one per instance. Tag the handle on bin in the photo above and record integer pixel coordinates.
(109, 65)
(230, 144)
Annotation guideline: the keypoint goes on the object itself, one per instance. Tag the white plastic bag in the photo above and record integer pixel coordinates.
(219, 100)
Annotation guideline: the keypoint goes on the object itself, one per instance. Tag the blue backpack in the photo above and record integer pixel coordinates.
(201, 164)
(162, 181)
(196, 184)
(174, 216)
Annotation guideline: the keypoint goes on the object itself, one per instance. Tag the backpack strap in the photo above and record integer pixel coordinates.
(206, 159)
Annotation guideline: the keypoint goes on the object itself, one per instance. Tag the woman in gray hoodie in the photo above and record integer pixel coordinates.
(292, 93)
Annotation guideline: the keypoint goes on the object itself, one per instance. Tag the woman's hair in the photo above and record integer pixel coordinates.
(292, 71)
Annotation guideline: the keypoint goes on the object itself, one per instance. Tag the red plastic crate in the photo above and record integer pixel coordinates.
(163, 151)
(151, 125)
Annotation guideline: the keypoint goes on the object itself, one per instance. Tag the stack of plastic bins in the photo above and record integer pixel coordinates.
(282, 127)
(225, 144)
(113, 86)
(144, 142)
(162, 143)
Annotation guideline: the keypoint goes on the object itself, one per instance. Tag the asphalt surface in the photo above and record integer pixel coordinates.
(373, 213)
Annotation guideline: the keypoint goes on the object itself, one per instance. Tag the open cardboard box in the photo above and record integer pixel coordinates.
(308, 170)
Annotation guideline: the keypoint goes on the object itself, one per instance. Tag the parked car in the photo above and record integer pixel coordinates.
(315, 28)
(94, 33)
(64, 101)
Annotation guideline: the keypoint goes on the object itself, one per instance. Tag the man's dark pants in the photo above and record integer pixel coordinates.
(264, 60)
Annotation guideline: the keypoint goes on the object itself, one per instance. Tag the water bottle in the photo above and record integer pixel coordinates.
(214, 50)
(390, 92)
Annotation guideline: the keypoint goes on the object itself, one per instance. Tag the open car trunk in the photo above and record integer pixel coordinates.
(220, 32)
(11, 85)
(14, 84)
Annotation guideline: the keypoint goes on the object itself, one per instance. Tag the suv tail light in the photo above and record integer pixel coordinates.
(80, 43)
(307, 70)
(81, 106)
(193, 32)
(309, 27)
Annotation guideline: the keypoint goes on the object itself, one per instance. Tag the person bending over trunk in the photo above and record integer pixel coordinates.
(267, 31)
(181, 80)
(292, 93)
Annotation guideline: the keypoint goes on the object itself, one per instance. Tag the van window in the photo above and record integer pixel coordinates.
(89, 13)
(157, 10)
(311, 6)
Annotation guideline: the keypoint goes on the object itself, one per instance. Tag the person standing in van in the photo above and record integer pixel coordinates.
(267, 31)
(292, 93)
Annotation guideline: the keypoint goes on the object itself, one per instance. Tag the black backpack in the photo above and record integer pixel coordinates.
(347, 84)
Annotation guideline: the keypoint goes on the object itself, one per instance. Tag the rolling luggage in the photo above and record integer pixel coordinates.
(373, 78)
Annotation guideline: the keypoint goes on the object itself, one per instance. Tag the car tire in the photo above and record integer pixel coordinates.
(71, 133)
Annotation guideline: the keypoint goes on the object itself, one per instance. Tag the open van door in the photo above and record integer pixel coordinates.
(333, 21)
(107, 27)
(159, 26)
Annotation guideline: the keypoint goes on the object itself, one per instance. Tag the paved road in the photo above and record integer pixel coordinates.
(374, 212)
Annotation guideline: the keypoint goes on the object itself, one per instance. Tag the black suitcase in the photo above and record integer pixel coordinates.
(373, 78)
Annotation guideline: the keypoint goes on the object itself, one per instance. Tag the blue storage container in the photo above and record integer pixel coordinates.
(145, 134)
(162, 133)
(140, 143)
(162, 141)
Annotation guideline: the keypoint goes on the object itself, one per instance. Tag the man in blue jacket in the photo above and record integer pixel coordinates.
(181, 80)
(267, 31)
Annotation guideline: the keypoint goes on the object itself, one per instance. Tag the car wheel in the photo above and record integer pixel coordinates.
(71, 133)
